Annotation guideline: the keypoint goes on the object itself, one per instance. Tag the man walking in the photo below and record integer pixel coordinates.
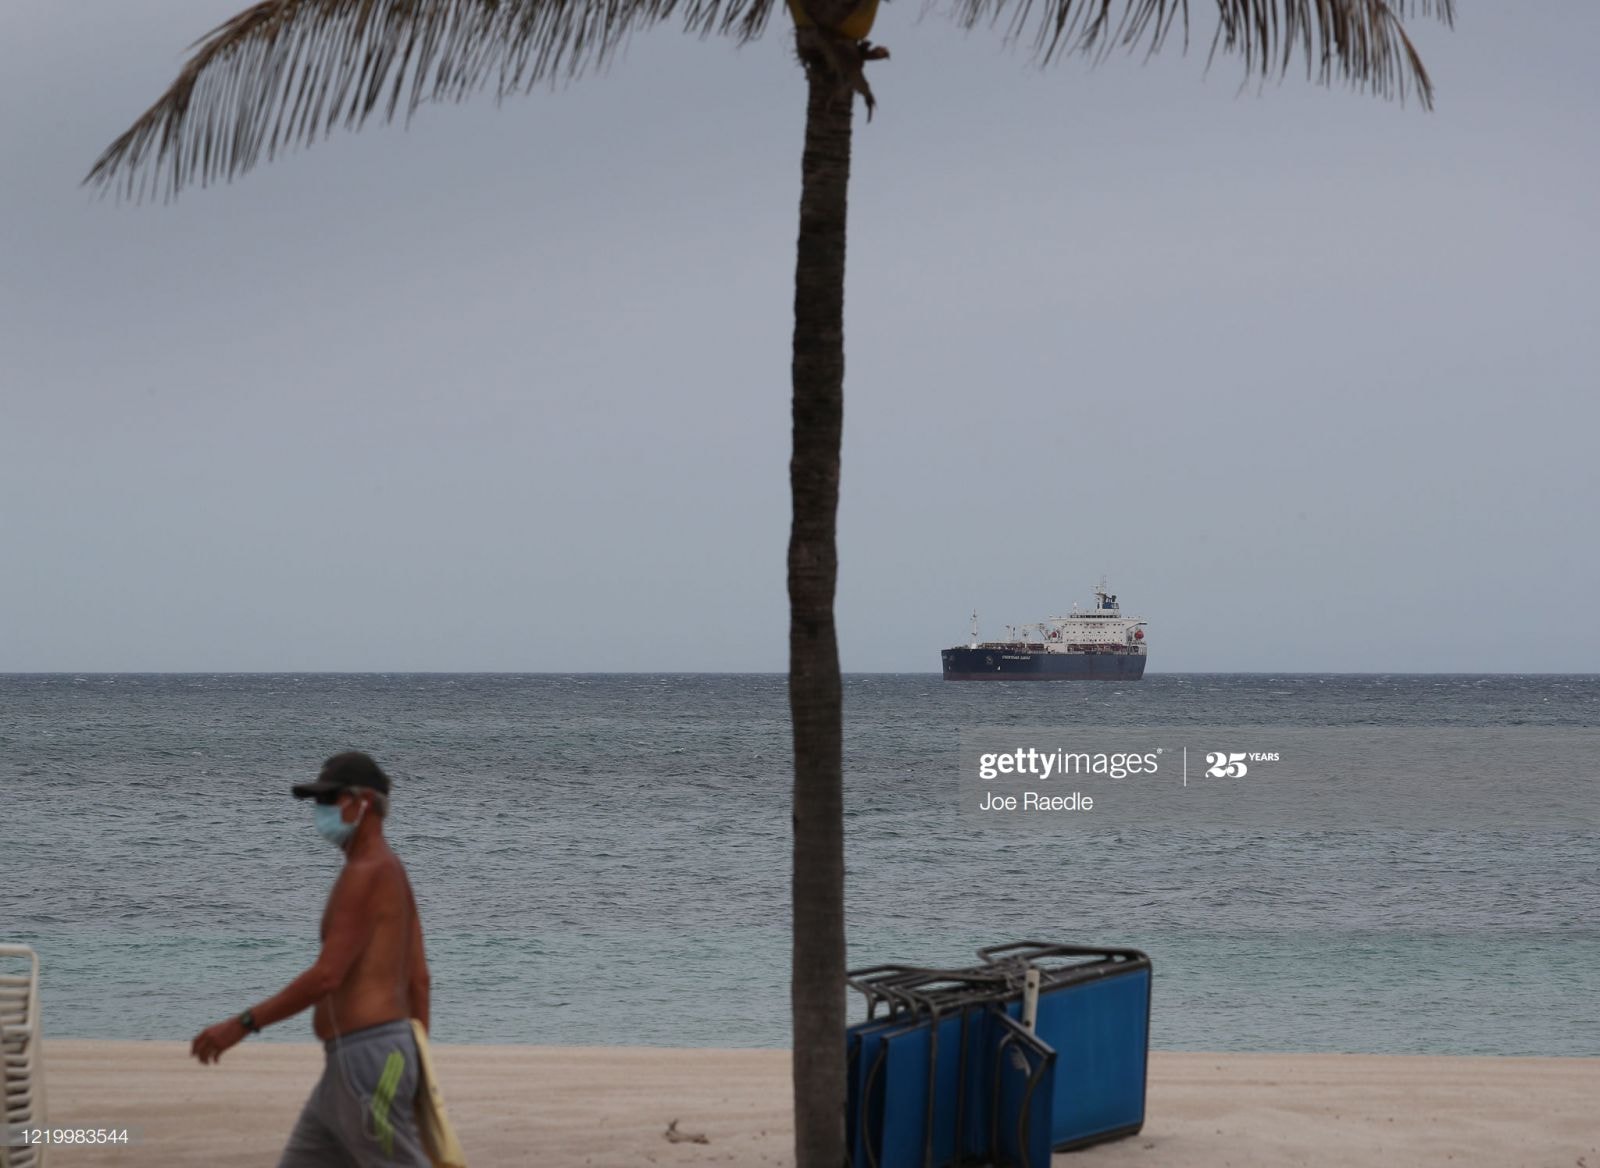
(370, 979)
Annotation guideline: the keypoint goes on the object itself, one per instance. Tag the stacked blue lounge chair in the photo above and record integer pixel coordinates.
(945, 1071)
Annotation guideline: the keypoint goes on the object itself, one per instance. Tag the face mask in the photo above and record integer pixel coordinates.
(331, 825)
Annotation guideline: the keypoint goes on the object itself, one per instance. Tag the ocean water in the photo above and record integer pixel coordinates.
(604, 858)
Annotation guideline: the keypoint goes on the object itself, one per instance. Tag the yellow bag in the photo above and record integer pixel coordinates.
(433, 1122)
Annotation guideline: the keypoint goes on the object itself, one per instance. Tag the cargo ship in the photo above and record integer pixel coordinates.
(1098, 645)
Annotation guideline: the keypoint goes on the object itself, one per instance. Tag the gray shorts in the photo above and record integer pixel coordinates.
(360, 1114)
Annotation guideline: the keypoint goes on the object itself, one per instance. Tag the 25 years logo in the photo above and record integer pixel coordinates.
(1221, 764)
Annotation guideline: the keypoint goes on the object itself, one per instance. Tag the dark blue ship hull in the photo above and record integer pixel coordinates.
(989, 663)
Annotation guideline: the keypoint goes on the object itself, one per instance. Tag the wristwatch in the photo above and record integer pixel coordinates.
(248, 1021)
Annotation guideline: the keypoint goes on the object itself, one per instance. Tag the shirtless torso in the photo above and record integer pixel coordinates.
(373, 894)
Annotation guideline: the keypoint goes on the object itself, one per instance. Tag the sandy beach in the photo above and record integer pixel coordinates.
(606, 1107)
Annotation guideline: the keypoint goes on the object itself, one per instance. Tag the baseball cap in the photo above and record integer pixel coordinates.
(353, 768)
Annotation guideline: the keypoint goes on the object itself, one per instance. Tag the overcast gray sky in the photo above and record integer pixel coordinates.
(1309, 376)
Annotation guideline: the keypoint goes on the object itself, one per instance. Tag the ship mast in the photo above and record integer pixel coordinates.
(1102, 598)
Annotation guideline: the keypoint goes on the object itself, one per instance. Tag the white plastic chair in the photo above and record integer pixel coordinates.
(21, 1059)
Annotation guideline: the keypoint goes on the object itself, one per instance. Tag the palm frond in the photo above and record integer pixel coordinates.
(284, 72)
(1361, 42)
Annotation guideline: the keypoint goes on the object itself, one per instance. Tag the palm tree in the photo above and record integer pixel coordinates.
(283, 72)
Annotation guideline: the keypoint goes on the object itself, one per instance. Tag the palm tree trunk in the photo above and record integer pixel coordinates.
(815, 697)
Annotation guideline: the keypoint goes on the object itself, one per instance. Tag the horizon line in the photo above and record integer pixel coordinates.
(757, 673)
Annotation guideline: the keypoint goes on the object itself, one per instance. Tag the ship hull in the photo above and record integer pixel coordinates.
(985, 664)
